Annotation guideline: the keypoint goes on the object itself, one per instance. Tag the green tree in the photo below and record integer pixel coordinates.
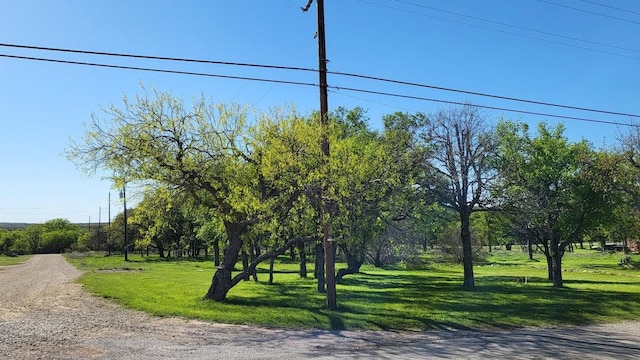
(56, 241)
(457, 168)
(206, 150)
(115, 232)
(371, 174)
(557, 191)
(160, 216)
(7, 240)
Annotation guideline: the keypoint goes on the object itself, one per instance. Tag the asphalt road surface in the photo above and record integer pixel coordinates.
(45, 315)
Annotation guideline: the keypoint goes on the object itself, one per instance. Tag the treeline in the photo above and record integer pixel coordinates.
(53, 236)
(244, 186)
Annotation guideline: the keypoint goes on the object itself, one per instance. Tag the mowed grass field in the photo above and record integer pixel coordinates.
(12, 260)
(597, 290)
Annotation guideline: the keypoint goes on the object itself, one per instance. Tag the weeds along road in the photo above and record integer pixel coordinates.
(45, 315)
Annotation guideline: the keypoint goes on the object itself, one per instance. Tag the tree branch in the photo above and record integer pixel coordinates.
(279, 251)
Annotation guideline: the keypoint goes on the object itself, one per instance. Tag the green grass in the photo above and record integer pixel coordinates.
(12, 260)
(597, 290)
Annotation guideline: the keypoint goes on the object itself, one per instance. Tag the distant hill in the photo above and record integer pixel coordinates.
(20, 226)
(13, 226)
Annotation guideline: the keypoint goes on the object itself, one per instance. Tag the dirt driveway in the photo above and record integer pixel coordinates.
(45, 315)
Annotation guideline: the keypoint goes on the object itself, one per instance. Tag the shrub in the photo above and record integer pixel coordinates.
(628, 262)
(450, 247)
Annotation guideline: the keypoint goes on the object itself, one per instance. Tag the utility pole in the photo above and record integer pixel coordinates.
(109, 226)
(330, 272)
(123, 195)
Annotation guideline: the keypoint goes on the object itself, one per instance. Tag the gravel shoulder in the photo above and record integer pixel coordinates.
(44, 314)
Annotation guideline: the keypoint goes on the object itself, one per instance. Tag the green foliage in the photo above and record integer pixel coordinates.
(7, 240)
(598, 290)
(56, 241)
(53, 236)
(629, 262)
(557, 191)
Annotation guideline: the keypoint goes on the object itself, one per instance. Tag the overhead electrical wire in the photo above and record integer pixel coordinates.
(488, 95)
(333, 87)
(611, 7)
(518, 26)
(280, 67)
(374, 92)
(152, 57)
(588, 12)
(179, 72)
(502, 31)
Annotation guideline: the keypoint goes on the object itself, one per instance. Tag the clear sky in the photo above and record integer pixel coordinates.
(573, 52)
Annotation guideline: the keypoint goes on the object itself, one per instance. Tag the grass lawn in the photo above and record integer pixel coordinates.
(597, 290)
(12, 260)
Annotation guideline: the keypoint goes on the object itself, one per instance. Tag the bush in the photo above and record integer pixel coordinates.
(450, 247)
(628, 262)
(57, 241)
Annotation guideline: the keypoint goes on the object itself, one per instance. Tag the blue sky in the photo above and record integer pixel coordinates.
(579, 53)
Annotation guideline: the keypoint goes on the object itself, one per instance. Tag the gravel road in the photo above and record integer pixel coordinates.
(45, 315)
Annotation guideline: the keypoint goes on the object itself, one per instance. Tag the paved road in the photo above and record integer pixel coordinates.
(45, 315)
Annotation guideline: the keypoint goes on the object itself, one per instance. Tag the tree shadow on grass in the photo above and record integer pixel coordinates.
(415, 302)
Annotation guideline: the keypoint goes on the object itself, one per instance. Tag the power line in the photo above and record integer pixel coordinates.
(333, 87)
(501, 31)
(611, 7)
(152, 57)
(518, 27)
(588, 12)
(280, 67)
(487, 95)
(179, 72)
(383, 93)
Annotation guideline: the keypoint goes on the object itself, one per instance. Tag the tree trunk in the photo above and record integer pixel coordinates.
(556, 262)
(549, 267)
(557, 270)
(319, 268)
(547, 254)
(273, 259)
(354, 262)
(221, 282)
(160, 249)
(377, 260)
(467, 253)
(303, 261)
(489, 233)
(530, 247)
(216, 252)
(252, 257)
(245, 264)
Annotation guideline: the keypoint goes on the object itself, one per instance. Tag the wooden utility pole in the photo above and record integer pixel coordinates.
(109, 227)
(329, 262)
(330, 267)
(123, 195)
